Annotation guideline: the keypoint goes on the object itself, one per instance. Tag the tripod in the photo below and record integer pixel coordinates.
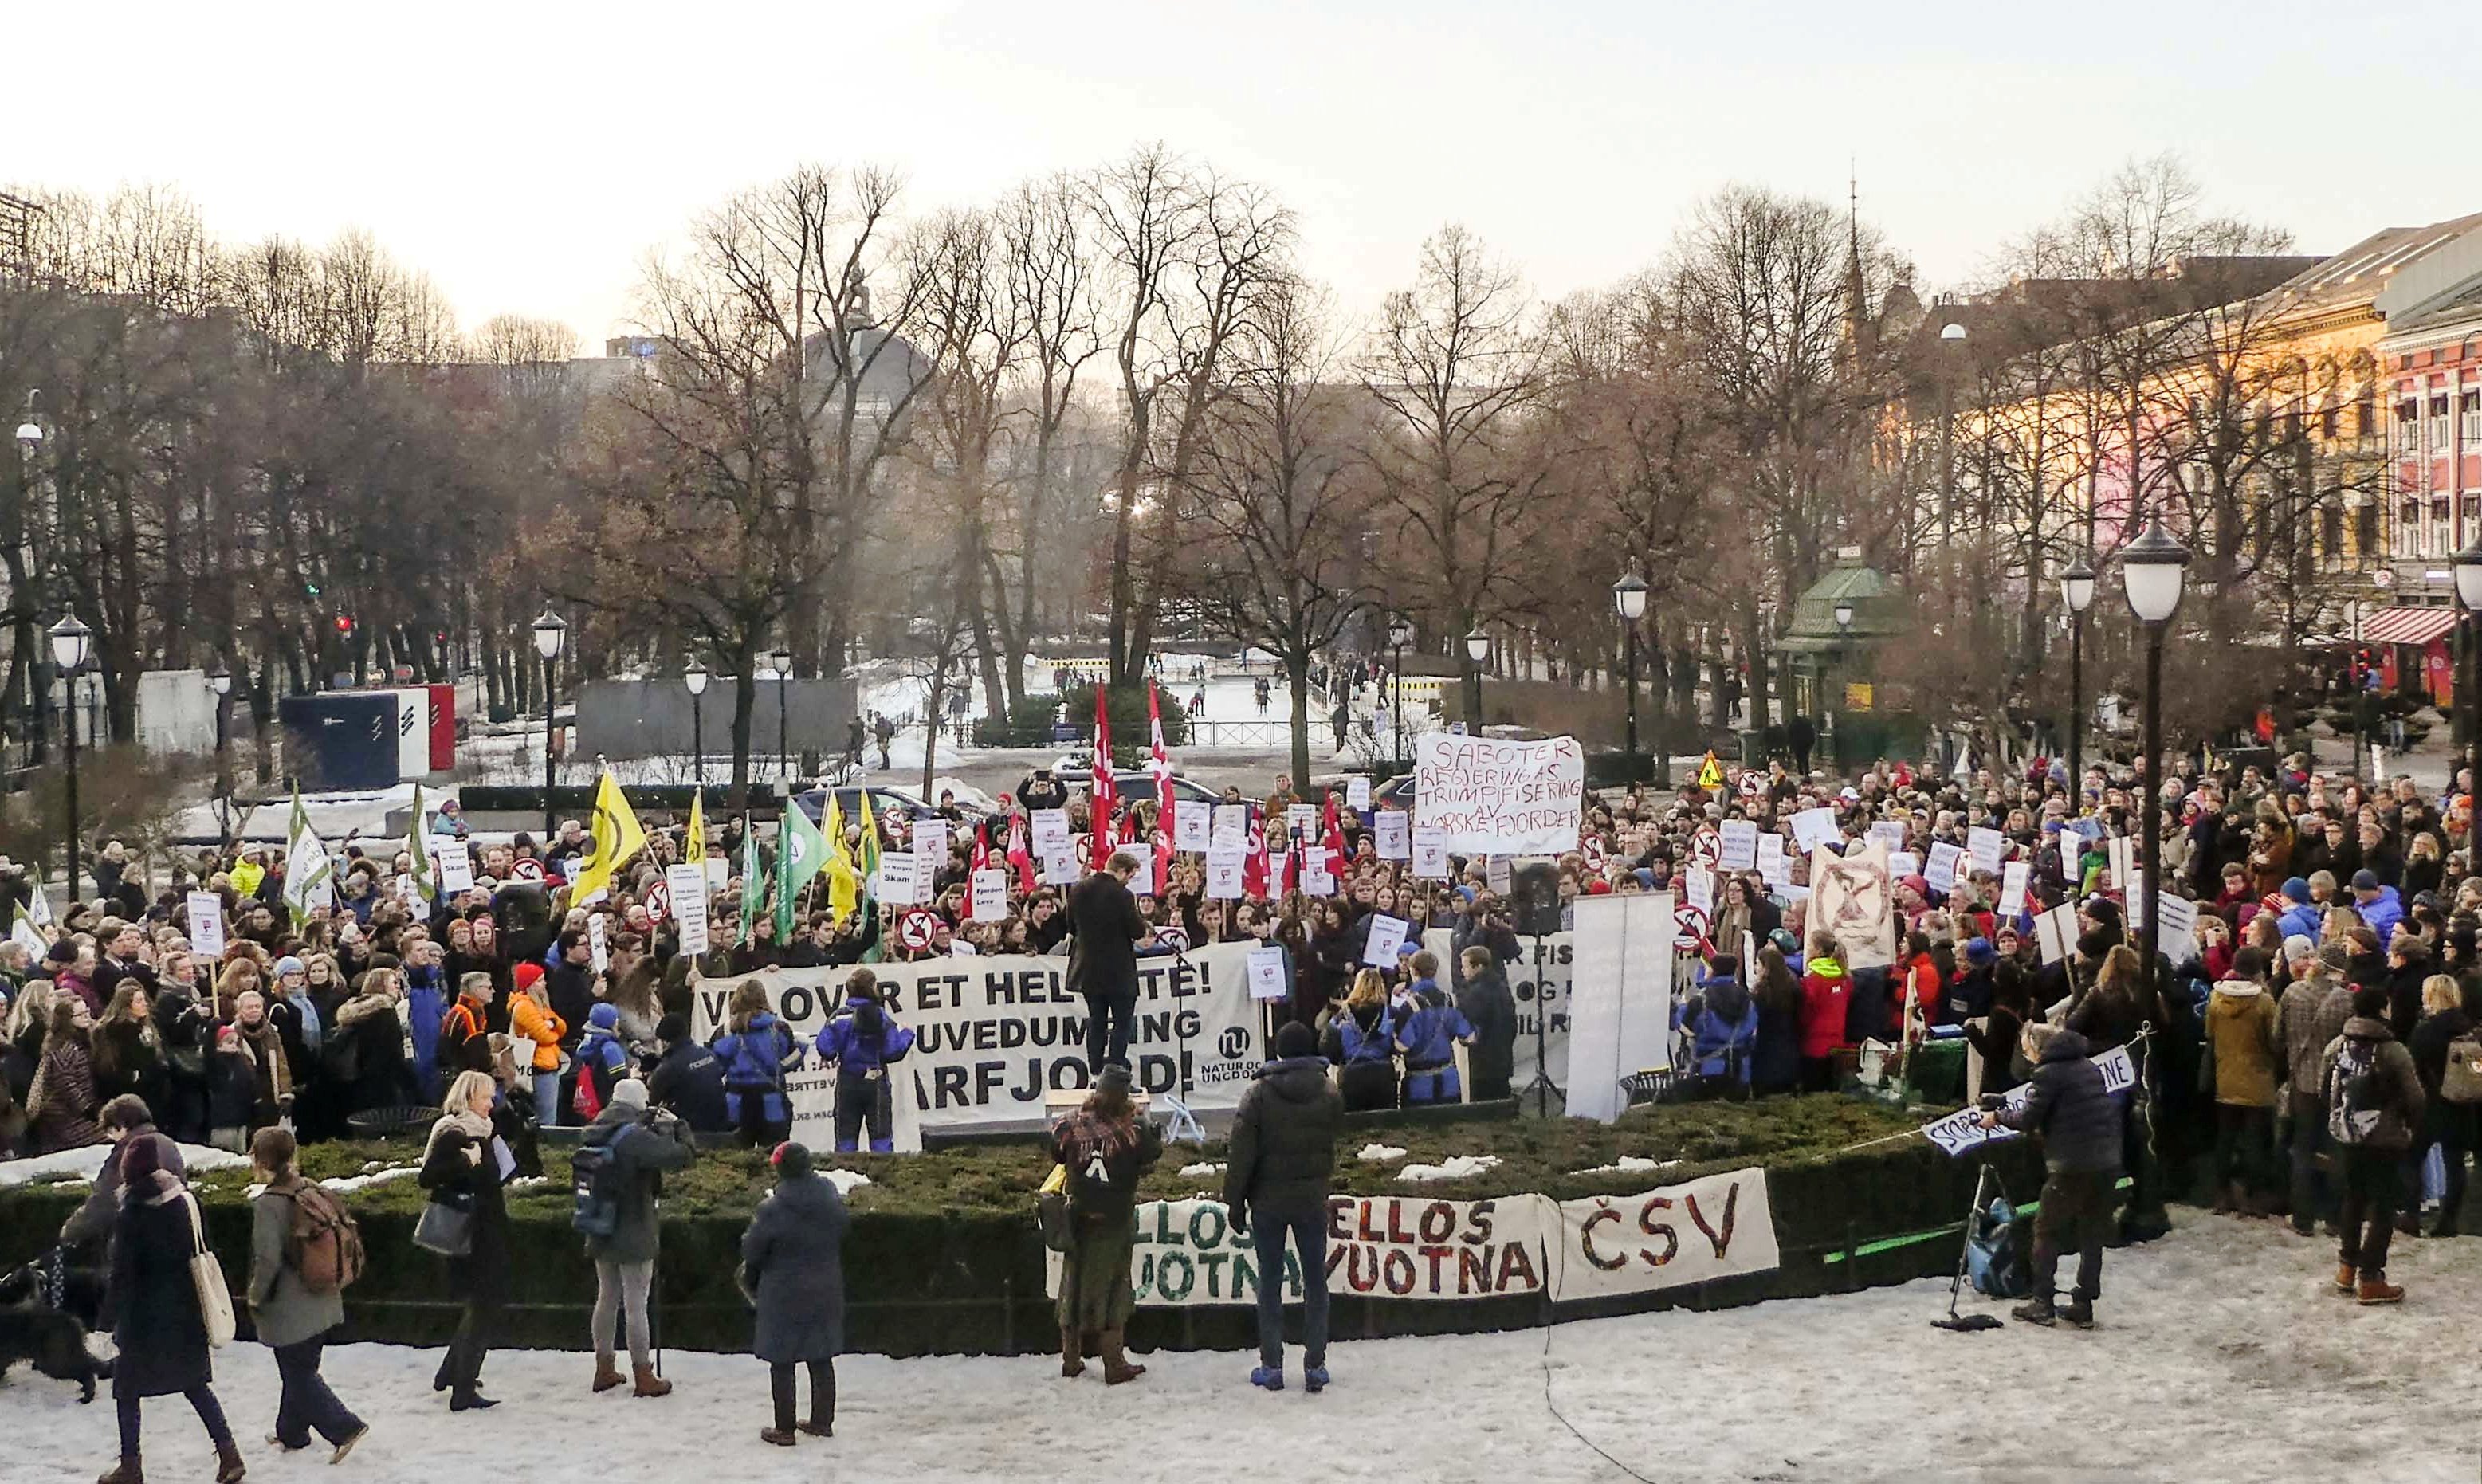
(1542, 1089)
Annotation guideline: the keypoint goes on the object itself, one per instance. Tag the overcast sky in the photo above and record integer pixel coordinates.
(527, 154)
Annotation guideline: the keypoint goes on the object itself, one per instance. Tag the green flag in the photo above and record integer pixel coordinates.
(417, 845)
(309, 875)
(753, 884)
(801, 850)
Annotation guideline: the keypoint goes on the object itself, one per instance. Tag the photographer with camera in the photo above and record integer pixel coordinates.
(2080, 1123)
(618, 1174)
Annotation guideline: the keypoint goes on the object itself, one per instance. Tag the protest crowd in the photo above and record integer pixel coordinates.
(2303, 1049)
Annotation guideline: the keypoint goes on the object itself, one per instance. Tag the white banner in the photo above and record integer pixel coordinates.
(1392, 830)
(1623, 979)
(1740, 845)
(1429, 853)
(996, 1033)
(1962, 1131)
(206, 924)
(687, 886)
(1508, 798)
(1851, 900)
(1423, 1249)
(1191, 822)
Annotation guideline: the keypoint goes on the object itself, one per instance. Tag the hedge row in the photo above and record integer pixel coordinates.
(942, 1258)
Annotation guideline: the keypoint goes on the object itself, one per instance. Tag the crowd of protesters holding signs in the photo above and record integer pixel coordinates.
(2307, 1045)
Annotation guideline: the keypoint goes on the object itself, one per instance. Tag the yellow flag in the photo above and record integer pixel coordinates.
(1710, 773)
(617, 836)
(696, 852)
(844, 880)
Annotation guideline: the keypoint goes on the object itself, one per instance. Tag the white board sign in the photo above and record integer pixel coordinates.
(2013, 880)
(1513, 798)
(1191, 820)
(206, 924)
(1889, 832)
(899, 878)
(455, 869)
(1983, 846)
(1771, 860)
(1812, 828)
(1902, 863)
(988, 900)
(1740, 844)
(1697, 884)
(1231, 824)
(687, 884)
(1386, 936)
(1357, 791)
(599, 942)
(1938, 873)
(1050, 832)
(1267, 972)
(2056, 933)
(1429, 853)
(1060, 869)
(1392, 831)
(931, 844)
(1223, 873)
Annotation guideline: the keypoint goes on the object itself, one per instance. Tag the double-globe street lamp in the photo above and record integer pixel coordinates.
(2153, 568)
(695, 677)
(71, 643)
(2077, 591)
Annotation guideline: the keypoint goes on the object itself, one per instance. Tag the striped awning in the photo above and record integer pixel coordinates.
(2408, 625)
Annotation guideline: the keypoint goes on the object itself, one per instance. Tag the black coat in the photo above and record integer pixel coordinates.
(156, 1325)
(454, 1180)
(2442, 1122)
(1491, 1010)
(2078, 1121)
(1104, 923)
(1283, 1152)
(690, 1082)
(792, 1260)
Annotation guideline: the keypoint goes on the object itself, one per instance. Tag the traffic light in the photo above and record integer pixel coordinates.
(345, 624)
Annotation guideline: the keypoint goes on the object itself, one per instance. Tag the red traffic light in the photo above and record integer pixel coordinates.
(344, 623)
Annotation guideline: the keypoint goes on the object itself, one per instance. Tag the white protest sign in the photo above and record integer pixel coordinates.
(1813, 827)
(1060, 869)
(1499, 872)
(1300, 820)
(1191, 821)
(1430, 852)
(456, 867)
(1697, 884)
(599, 942)
(1386, 936)
(898, 879)
(206, 924)
(931, 844)
(687, 884)
(1508, 798)
(1962, 1130)
(1740, 844)
(1902, 863)
(2056, 932)
(1983, 846)
(1267, 972)
(1771, 858)
(1392, 831)
(2122, 850)
(1890, 832)
(1938, 873)
(2013, 880)
(1357, 791)
(2177, 937)
(1050, 832)
(989, 901)
(1231, 824)
(1223, 873)
(1316, 879)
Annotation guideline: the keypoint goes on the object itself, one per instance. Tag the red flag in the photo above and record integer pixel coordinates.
(1106, 795)
(1257, 868)
(1158, 760)
(1334, 840)
(1018, 853)
(982, 846)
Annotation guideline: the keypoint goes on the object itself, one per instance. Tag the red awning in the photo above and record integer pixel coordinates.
(2408, 625)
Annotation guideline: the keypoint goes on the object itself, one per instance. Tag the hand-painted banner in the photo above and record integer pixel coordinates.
(1418, 1248)
(1962, 1131)
(995, 1034)
(1505, 798)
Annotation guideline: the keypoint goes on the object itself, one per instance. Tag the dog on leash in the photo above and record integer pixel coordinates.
(52, 1340)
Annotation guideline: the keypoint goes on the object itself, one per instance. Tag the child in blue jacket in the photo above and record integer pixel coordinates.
(1428, 1036)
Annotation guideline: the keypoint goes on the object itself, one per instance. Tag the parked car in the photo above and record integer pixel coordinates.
(1076, 772)
(883, 799)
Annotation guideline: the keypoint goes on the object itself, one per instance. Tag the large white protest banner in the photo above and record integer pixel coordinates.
(1853, 902)
(996, 1033)
(1622, 977)
(1423, 1249)
(1507, 798)
(1962, 1131)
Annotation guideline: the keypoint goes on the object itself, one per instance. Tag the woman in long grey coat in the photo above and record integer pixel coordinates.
(792, 1265)
(158, 1330)
(293, 1319)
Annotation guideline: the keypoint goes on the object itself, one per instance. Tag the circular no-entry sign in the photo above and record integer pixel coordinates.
(659, 901)
(913, 928)
(1752, 785)
(1708, 847)
(528, 869)
(1692, 926)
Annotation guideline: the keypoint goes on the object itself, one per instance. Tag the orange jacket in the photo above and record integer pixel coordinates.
(531, 1022)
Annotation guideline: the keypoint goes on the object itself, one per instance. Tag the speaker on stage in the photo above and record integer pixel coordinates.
(1535, 889)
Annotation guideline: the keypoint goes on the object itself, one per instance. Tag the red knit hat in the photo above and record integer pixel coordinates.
(528, 974)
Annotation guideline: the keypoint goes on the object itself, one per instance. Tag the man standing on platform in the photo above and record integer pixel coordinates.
(1105, 930)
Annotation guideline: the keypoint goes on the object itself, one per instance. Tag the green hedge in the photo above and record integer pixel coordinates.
(942, 1258)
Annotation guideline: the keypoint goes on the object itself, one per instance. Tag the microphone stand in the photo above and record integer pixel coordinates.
(1542, 1088)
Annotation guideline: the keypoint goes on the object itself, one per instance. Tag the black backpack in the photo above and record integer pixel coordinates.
(2355, 1101)
(595, 1186)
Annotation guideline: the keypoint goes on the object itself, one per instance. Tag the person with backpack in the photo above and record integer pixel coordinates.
(862, 1040)
(1428, 1037)
(2079, 1121)
(618, 1173)
(1722, 1021)
(1361, 1042)
(2373, 1105)
(603, 1061)
(304, 1251)
(2444, 1036)
(756, 1050)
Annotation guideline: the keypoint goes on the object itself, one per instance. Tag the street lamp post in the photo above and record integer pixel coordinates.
(1951, 339)
(2076, 591)
(551, 631)
(783, 659)
(220, 682)
(1843, 664)
(1400, 633)
(695, 677)
(71, 641)
(1628, 599)
(2152, 570)
(1477, 650)
(2468, 591)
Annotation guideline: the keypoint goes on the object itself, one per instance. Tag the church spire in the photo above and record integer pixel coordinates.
(1858, 320)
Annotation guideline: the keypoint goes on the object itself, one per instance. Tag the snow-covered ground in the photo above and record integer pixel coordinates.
(2221, 1356)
